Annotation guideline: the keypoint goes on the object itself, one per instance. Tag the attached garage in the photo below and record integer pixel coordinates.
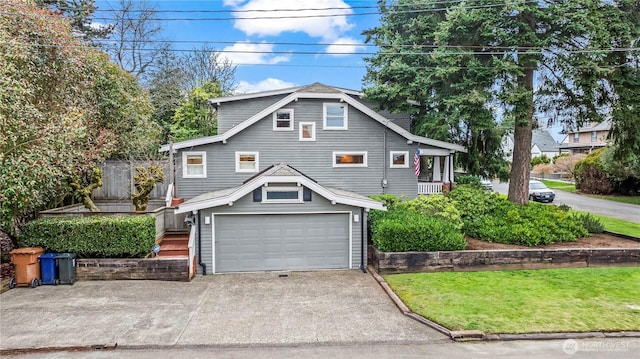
(257, 242)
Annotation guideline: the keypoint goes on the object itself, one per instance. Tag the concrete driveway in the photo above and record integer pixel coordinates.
(334, 307)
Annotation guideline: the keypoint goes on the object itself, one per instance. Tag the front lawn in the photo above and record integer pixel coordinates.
(564, 186)
(620, 226)
(526, 301)
(570, 187)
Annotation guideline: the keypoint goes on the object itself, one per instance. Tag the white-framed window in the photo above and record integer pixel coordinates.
(350, 159)
(307, 131)
(576, 137)
(283, 120)
(335, 116)
(194, 165)
(399, 159)
(282, 194)
(594, 136)
(247, 161)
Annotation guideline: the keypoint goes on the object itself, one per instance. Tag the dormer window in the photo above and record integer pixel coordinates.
(283, 120)
(335, 116)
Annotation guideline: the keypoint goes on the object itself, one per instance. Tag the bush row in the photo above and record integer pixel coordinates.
(402, 230)
(92, 237)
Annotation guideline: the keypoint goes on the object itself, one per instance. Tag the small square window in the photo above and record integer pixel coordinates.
(247, 162)
(283, 120)
(194, 164)
(594, 136)
(349, 159)
(307, 131)
(399, 159)
(576, 137)
(335, 116)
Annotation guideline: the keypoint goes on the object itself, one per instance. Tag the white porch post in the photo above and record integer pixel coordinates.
(447, 163)
(450, 177)
(437, 177)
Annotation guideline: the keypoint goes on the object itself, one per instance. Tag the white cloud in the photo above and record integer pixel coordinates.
(264, 85)
(343, 47)
(232, 3)
(327, 28)
(248, 53)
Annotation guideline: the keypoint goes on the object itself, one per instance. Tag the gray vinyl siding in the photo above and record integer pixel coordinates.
(313, 158)
(246, 205)
(233, 113)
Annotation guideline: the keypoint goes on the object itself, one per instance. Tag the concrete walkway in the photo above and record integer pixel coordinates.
(321, 307)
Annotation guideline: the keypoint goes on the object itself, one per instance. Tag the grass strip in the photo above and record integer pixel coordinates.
(526, 301)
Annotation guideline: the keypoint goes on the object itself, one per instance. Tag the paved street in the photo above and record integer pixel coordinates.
(627, 212)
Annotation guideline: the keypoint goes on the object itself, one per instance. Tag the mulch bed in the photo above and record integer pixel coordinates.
(599, 240)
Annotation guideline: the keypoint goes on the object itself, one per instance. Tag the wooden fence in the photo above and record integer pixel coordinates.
(118, 183)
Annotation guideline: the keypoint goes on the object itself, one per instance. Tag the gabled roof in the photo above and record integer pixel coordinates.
(314, 91)
(280, 173)
(594, 126)
(543, 139)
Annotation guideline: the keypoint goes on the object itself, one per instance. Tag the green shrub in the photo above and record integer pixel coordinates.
(543, 159)
(435, 205)
(590, 175)
(590, 223)
(468, 179)
(389, 200)
(491, 218)
(92, 237)
(404, 230)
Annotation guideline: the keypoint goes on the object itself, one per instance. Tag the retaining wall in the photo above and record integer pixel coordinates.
(477, 260)
(158, 268)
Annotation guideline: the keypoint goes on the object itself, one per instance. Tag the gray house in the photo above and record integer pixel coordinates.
(285, 183)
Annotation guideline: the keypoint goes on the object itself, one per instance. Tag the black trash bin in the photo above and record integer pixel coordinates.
(66, 268)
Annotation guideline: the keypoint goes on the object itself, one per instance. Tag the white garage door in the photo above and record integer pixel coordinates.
(281, 242)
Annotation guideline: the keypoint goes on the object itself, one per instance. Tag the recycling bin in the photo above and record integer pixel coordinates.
(27, 266)
(48, 268)
(66, 268)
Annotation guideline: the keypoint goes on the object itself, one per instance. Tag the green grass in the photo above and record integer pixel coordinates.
(526, 301)
(570, 187)
(619, 226)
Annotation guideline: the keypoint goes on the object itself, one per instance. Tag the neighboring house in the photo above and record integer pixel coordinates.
(542, 143)
(587, 138)
(285, 183)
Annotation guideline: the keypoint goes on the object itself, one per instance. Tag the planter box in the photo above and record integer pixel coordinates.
(459, 261)
(158, 268)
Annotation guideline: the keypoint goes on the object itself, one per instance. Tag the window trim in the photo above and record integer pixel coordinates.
(594, 136)
(249, 153)
(345, 124)
(313, 131)
(266, 189)
(185, 172)
(275, 120)
(340, 165)
(406, 159)
(576, 137)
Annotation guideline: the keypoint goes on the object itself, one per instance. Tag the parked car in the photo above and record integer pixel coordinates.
(486, 183)
(538, 191)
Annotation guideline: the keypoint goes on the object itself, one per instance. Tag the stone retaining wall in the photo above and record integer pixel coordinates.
(477, 260)
(171, 269)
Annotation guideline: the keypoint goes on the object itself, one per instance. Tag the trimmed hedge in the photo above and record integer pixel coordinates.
(405, 230)
(92, 237)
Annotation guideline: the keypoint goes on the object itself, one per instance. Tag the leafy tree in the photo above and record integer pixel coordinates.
(83, 184)
(48, 128)
(145, 181)
(195, 117)
(165, 88)
(204, 65)
(590, 175)
(475, 64)
(80, 13)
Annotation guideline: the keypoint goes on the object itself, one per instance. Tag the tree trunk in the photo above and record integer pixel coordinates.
(520, 167)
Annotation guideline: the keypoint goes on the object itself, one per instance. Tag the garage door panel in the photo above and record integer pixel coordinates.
(281, 242)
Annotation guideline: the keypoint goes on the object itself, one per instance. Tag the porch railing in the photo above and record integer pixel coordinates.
(429, 187)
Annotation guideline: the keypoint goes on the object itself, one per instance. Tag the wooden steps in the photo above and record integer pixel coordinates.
(174, 243)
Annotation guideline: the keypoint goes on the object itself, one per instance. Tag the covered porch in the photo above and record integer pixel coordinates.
(436, 171)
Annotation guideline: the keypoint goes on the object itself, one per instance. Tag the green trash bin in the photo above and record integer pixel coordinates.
(66, 268)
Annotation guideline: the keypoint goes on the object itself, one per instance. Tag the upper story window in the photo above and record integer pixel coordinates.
(350, 159)
(594, 136)
(576, 137)
(194, 164)
(335, 116)
(247, 162)
(283, 120)
(399, 159)
(307, 131)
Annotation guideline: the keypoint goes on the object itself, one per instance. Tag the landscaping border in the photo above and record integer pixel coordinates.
(158, 268)
(482, 260)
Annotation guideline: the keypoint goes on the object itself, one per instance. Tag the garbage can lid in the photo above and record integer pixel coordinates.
(66, 255)
(28, 250)
(48, 256)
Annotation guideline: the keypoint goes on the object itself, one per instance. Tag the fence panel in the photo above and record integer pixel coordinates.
(117, 178)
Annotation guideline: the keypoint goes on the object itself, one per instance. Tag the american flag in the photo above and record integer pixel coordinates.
(416, 162)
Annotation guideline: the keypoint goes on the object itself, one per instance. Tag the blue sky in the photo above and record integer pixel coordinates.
(332, 40)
